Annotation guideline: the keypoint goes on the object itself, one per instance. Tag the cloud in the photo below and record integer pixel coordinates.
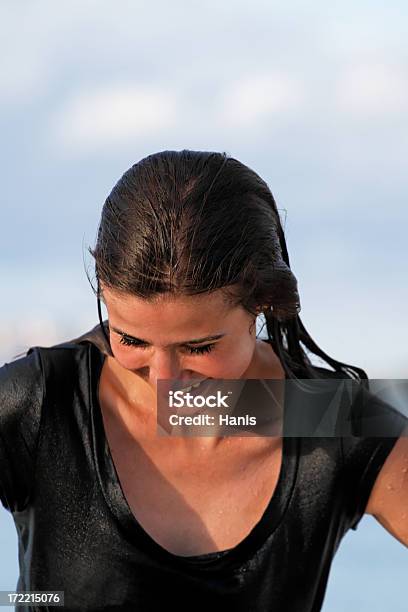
(22, 79)
(372, 90)
(256, 98)
(18, 336)
(114, 115)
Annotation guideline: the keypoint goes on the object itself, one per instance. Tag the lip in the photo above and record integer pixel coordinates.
(195, 382)
(166, 386)
(206, 388)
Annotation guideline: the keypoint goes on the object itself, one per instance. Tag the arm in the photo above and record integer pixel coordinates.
(21, 400)
(388, 501)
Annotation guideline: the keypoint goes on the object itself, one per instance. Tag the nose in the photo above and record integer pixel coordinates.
(164, 366)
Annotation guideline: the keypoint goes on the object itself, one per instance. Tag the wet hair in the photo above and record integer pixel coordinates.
(190, 222)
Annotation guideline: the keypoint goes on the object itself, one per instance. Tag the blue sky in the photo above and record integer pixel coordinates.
(311, 95)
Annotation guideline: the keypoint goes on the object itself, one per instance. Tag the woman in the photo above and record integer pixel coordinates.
(189, 251)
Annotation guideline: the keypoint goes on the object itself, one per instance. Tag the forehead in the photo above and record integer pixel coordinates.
(169, 320)
(128, 305)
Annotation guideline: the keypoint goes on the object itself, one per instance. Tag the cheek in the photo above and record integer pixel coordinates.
(126, 356)
(232, 362)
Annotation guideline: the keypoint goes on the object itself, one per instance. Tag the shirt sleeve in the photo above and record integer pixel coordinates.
(21, 400)
(375, 428)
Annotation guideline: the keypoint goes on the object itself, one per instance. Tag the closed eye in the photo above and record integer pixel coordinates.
(193, 350)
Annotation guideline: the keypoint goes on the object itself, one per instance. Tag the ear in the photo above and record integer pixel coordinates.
(262, 308)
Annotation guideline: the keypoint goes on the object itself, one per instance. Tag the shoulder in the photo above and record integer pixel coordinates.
(96, 337)
(25, 380)
(375, 455)
(348, 408)
(388, 499)
(21, 400)
(73, 352)
(45, 377)
(21, 386)
(363, 434)
(25, 384)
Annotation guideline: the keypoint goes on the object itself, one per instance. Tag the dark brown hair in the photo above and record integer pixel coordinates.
(189, 222)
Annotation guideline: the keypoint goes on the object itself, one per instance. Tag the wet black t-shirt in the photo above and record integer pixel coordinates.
(77, 534)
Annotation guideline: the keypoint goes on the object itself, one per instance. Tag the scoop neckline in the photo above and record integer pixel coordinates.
(116, 500)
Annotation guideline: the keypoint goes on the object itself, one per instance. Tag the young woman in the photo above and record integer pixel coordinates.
(190, 250)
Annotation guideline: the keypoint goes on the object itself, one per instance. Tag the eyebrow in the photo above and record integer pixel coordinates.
(194, 341)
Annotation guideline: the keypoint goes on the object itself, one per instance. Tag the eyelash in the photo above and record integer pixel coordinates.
(199, 350)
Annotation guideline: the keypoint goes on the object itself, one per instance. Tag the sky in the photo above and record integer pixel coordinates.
(311, 95)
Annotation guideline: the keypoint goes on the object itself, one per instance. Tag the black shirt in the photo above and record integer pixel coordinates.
(77, 534)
